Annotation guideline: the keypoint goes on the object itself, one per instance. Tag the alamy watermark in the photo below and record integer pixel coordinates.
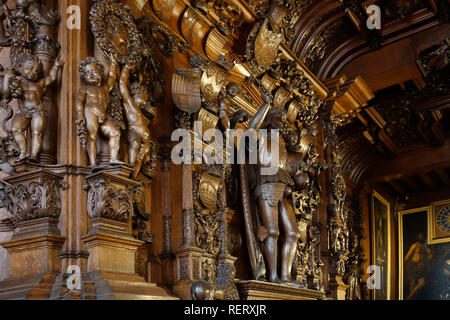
(374, 20)
(74, 19)
(73, 281)
(374, 280)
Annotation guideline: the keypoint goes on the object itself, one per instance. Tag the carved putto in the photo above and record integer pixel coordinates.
(126, 100)
(91, 109)
(28, 29)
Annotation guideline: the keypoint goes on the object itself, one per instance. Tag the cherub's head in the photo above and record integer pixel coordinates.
(139, 93)
(29, 66)
(91, 71)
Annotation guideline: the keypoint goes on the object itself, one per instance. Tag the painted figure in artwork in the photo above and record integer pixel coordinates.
(416, 265)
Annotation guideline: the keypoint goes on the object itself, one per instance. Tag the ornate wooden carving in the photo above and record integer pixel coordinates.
(29, 31)
(110, 196)
(33, 195)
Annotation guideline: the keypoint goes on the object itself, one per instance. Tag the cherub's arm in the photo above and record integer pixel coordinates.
(53, 74)
(123, 85)
(112, 76)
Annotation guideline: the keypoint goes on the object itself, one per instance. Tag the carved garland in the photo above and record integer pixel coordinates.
(106, 10)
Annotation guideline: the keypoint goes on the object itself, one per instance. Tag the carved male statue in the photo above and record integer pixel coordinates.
(271, 192)
(91, 105)
(138, 132)
(32, 111)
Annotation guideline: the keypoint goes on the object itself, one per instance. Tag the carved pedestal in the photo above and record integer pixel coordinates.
(35, 203)
(34, 248)
(337, 288)
(111, 246)
(188, 268)
(260, 290)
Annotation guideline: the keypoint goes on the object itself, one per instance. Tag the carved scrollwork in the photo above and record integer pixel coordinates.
(37, 197)
(109, 202)
(206, 221)
(230, 16)
(141, 219)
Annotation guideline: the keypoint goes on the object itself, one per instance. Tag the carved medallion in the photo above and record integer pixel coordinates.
(115, 31)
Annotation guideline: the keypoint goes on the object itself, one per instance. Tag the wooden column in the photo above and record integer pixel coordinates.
(188, 257)
(76, 45)
(167, 254)
(187, 206)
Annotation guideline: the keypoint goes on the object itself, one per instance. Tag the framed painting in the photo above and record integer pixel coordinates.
(381, 244)
(439, 222)
(424, 268)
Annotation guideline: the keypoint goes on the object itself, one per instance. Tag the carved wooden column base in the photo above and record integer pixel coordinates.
(337, 289)
(167, 268)
(34, 248)
(188, 269)
(111, 248)
(34, 262)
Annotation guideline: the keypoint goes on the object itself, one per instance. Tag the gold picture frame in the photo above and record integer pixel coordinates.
(435, 233)
(401, 214)
(377, 197)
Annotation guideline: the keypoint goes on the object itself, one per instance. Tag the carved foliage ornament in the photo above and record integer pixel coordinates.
(36, 198)
(107, 201)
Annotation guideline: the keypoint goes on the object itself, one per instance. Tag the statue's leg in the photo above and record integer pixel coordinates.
(19, 125)
(113, 133)
(92, 128)
(134, 142)
(292, 234)
(269, 217)
(143, 151)
(38, 122)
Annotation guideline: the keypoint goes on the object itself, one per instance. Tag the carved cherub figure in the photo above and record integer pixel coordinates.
(91, 105)
(32, 110)
(4, 16)
(138, 132)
